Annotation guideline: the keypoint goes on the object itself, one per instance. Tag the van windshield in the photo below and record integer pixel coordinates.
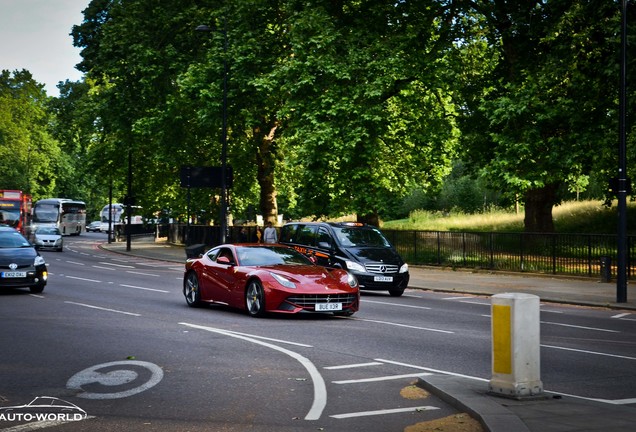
(360, 237)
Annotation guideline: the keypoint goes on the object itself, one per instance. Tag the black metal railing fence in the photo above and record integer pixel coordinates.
(558, 254)
(588, 255)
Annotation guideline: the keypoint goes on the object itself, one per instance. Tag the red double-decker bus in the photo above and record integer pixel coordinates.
(15, 209)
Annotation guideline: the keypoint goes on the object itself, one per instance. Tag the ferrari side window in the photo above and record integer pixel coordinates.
(225, 257)
(213, 254)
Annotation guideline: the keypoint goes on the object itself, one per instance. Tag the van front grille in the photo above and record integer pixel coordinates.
(381, 268)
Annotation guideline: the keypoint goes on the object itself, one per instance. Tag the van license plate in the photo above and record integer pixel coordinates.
(328, 307)
(383, 278)
(13, 274)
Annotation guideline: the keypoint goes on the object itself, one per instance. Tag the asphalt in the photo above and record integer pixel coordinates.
(549, 412)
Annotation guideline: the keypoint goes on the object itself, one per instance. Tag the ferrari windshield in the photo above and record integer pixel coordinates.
(270, 255)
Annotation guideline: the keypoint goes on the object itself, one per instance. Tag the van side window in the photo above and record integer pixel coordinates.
(307, 235)
(323, 237)
(288, 233)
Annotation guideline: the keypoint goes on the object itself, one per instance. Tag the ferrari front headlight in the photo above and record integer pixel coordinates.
(283, 281)
(351, 280)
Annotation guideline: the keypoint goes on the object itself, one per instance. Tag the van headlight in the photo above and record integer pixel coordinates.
(39, 261)
(404, 268)
(354, 266)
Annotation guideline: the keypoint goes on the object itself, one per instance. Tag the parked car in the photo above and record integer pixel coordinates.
(48, 238)
(21, 265)
(94, 226)
(268, 278)
(361, 249)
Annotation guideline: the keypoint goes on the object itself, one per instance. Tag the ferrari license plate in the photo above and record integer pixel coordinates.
(13, 274)
(328, 307)
(383, 278)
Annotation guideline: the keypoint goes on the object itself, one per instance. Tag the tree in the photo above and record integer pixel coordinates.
(321, 97)
(370, 116)
(30, 157)
(74, 127)
(540, 115)
(134, 63)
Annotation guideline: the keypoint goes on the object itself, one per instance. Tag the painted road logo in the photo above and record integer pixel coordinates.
(43, 409)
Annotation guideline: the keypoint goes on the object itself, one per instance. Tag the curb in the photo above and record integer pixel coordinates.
(465, 395)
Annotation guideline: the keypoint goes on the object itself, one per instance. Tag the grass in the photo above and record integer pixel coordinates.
(569, 217)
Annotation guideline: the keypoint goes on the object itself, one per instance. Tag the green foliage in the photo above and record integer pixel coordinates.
(369, 115)
(333, 107)
(30, 157)
(570, 217)
(542, 116)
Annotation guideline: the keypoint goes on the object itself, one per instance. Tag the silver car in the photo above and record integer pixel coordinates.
(48, 238)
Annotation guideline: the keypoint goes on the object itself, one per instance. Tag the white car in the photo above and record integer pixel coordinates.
(48, 238)
(94, 226)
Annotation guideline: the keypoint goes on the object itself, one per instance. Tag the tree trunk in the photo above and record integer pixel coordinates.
(266, 160)
(538, 209)
(370, 219)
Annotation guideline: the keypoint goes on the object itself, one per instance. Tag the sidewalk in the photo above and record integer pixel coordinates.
(580, 291)
(497, 414)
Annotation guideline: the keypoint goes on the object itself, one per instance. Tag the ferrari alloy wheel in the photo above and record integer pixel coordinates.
(191, 290)
(255, 298)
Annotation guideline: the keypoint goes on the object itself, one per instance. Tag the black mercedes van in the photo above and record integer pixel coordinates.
(361, 249)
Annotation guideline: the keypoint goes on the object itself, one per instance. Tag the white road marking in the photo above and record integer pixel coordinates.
(320, 389)
(475, 302)
(145, 289)
(579, 327)
(105, 268)
(83, 279)
(76, 263)
(274, 340)
(396, 304)
(621, 315)
(382, 378)
(142, 273)
(589, 352)
(402, 325)
(117, 265)
(113, 379)
(102, 308)
(383, 412)
(353, 365)
(432, 370)
(608, 401)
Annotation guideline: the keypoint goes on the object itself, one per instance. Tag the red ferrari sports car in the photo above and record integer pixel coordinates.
(268, 278)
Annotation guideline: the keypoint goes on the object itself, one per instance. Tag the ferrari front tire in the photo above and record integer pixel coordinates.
(255, 298)
(191, 290)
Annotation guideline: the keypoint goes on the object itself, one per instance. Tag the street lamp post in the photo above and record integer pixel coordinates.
(224, 194)
(129, 202)
(623, 181)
